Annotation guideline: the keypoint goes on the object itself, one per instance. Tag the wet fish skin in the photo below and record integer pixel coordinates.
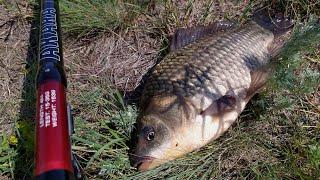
(196, 92)
(213, 64)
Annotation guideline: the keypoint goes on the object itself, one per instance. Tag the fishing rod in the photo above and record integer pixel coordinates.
(54, 125)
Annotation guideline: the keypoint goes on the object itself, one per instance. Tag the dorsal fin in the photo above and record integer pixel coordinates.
(185, 36)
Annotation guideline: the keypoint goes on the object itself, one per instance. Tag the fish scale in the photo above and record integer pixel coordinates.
(212, 65)
(200, 88)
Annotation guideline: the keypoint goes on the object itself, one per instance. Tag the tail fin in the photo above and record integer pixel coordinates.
(274, 21)
(278, 24)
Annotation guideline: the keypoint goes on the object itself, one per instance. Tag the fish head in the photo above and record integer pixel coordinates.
(153, 138)
(170, 130)
(160, 137)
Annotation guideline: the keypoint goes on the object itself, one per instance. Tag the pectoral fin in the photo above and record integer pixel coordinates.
(259, 78)
(183, 37)
(222, 105)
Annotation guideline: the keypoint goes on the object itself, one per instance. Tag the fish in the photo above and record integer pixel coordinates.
(202, 85)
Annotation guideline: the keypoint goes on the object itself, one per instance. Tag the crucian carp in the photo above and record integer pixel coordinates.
(199, 89)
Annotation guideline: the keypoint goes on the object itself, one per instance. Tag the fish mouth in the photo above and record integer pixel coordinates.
(143, 163)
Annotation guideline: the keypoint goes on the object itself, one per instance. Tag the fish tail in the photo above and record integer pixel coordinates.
(275, 21)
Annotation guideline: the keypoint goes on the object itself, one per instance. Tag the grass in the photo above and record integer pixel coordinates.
(276, 137)
(85, 17)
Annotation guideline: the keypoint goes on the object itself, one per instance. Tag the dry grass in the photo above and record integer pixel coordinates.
(122, 58)
(14, 37)
(276, 137)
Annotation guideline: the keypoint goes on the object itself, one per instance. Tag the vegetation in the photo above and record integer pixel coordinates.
(82, 17)
(276, 137)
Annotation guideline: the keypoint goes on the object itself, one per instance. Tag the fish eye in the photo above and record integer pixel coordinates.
(150, 136)
(149, 133)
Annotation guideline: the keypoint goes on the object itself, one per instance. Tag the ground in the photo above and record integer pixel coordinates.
(110, 45)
